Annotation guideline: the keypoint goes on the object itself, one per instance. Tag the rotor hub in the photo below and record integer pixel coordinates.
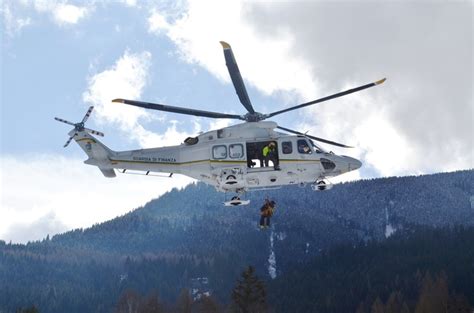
(79, 126)
(254, 117)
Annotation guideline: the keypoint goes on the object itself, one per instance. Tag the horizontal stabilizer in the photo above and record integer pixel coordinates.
(108, 172)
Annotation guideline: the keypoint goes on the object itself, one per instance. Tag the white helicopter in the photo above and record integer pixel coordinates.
(230, 159)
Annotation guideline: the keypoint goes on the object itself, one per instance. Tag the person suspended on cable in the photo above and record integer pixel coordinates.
(266, 212)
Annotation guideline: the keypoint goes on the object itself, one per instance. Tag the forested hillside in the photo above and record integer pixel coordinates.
(188, 239)
(437, 264)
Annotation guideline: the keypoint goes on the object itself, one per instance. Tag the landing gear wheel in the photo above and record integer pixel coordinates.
(230, 180)
(236, 201)
(321, 185)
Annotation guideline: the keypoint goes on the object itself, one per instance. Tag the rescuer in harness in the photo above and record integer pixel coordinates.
(266, 212)
(269, 153)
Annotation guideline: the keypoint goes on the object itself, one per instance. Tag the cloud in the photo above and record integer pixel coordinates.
(62, 12)
(130, 3)
(127, 79)
(11, 23)
(157, 22)
(197, 34)
(170, 137)
(419, 121)
(36, 230)
(63, 193)
(69, 14)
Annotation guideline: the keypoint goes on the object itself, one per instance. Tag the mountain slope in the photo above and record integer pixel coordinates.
(188, 233)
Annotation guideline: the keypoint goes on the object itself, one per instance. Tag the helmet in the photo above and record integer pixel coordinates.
(271, 144)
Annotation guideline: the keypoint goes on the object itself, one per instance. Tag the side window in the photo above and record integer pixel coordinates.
(287, 147)
(303, 147)
(219, 152)
(236, 151)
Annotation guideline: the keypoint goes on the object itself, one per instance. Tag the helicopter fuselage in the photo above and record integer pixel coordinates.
(231, 160)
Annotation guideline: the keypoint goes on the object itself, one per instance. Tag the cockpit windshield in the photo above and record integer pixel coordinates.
(315, 147)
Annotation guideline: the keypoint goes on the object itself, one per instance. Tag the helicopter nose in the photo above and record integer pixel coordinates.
(353, 164)
(350, 164)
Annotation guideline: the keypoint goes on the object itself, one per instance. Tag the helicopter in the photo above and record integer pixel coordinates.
(231, 159)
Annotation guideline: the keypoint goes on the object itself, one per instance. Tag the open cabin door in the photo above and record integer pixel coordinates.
(256, 161)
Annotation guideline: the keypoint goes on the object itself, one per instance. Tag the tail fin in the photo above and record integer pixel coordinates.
(99, 155)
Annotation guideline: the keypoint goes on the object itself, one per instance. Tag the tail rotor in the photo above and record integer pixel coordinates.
(69, 140)
(94, 132)
(79, 127)
(88, 113)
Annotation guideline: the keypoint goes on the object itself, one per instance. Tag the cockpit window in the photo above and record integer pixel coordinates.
(303, 147)
(316, 148)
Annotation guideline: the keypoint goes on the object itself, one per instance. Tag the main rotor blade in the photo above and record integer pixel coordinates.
(236, 77)
(88, 113)
(336, 95)
(315, 138)
(64, 121)
(169, 108)
(94, 132)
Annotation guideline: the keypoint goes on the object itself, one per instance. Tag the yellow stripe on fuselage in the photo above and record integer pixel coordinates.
(90, 139)
(113, 161)
(297, 160)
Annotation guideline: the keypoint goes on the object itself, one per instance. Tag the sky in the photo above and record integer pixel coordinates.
(59, 57)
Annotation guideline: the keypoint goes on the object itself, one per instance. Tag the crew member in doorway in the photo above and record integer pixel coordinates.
(266, 212)
(269, 153)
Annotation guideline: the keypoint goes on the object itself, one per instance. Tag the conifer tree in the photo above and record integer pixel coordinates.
(394, 303)
(434, 295)
(129, 302)
(377, 306)
(208, 305)
(32, 309)
(458, 304)
(249, 295)
(185, 302)
(361, 308)
(152, 304)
